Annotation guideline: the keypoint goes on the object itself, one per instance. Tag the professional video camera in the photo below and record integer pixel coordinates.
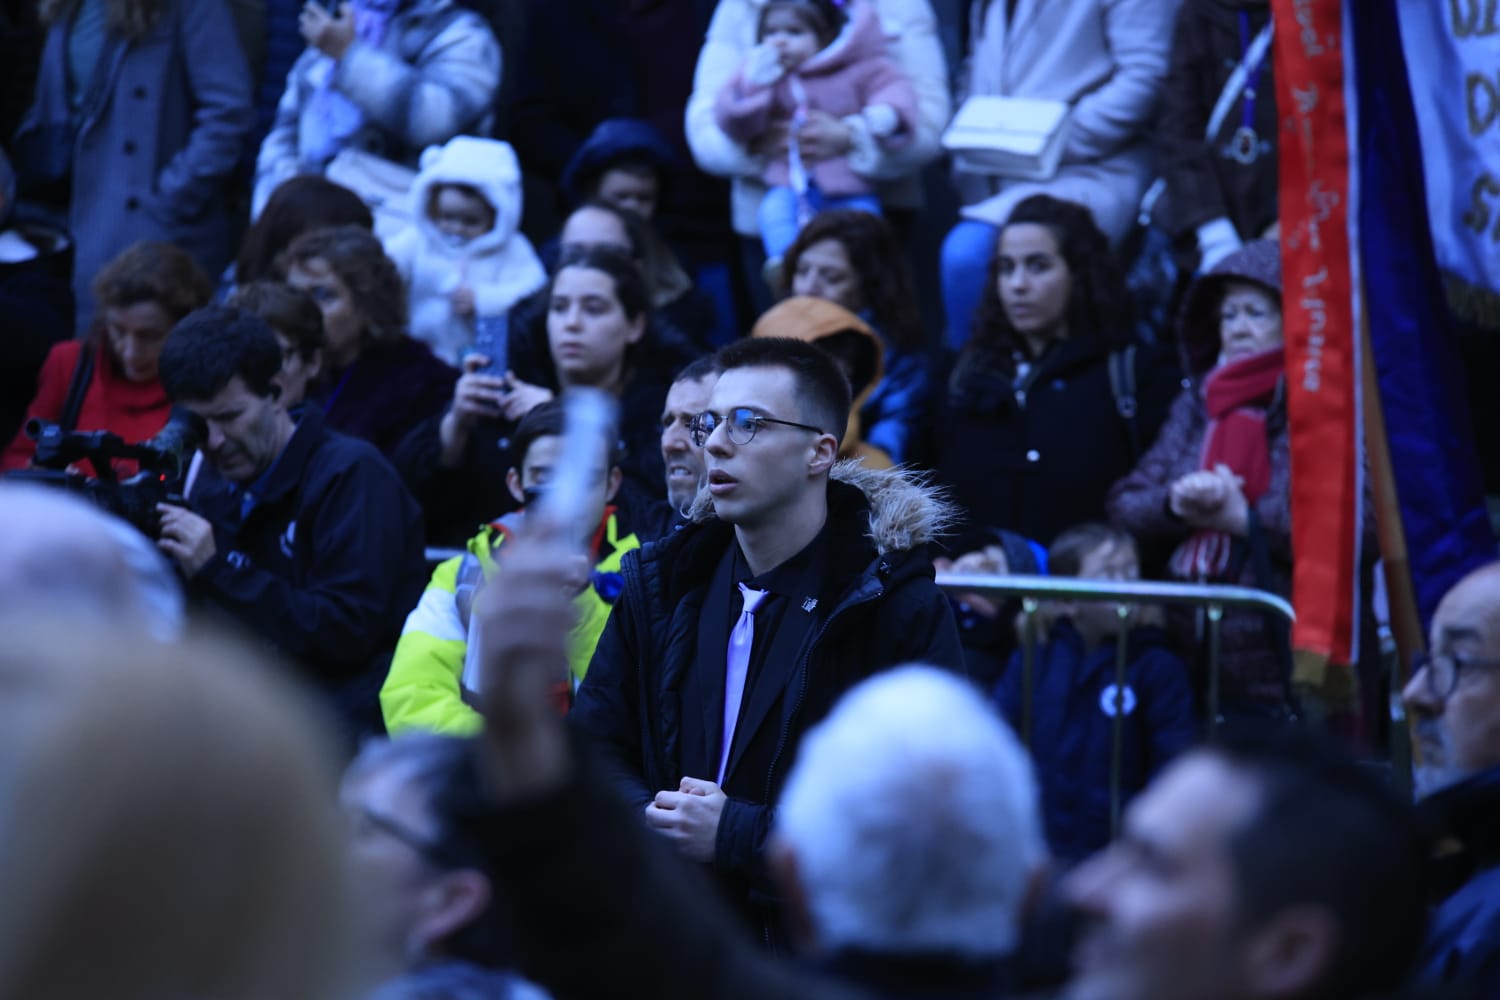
(163, 461)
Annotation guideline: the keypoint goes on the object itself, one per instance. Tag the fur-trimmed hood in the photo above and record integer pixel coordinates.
(905, 510)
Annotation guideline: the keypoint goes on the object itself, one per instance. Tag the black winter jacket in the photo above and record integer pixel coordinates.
(879, 609)
(1039, 459)
(327, 563)
(1073, 721)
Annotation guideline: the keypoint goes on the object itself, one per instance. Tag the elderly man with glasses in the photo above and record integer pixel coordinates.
(795, 581)
(1454, 697)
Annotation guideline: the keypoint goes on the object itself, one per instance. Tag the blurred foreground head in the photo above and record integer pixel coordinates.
(1268, 865)
(168, 826)
(909, 824)
(62, 555)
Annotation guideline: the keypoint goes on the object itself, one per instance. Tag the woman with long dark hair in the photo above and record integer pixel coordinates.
(598, 310)
(1052, 399)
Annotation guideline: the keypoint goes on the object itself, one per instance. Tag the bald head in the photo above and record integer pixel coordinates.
(1471, 610)
(62, 554)
(1455, 698)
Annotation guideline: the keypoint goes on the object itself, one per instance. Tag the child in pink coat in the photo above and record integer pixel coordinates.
(814, 55)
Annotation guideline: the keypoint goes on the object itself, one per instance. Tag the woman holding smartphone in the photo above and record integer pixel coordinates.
(598, 310)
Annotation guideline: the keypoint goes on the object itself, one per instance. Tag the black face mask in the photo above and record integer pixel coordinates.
(533, 496)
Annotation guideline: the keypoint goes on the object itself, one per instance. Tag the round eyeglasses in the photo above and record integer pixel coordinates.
(1443, 671)
(740, 424)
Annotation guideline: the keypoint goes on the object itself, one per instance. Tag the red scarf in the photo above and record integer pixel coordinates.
(1236, 396)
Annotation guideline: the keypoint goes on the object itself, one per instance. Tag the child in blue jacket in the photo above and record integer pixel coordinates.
(1074, 697)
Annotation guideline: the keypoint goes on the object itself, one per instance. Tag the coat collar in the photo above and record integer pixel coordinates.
(900, 508)
(290, 466)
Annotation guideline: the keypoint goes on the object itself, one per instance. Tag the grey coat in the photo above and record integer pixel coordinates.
(434, 76)
(153, 152)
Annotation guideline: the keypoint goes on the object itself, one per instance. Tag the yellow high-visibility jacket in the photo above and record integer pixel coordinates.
(424, 689)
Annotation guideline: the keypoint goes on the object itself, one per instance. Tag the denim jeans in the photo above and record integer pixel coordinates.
(778, 214)
(967, 251)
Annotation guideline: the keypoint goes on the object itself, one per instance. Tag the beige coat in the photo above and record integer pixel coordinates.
(1108, 59)
(912, 30)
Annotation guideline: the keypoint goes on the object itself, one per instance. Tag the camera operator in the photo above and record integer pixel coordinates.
(303, 534)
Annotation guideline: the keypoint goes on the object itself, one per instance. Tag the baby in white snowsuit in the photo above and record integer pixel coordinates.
(462, 257)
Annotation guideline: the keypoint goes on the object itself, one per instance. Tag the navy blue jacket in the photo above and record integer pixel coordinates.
(328, 561)
(1072, 733)
(1463, 942)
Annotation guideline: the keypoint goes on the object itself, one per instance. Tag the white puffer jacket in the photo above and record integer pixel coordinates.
(500, 265)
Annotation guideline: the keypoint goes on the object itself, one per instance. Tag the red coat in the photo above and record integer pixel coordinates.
(133, 410)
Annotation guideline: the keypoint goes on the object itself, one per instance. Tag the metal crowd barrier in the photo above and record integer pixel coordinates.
(435, 554)
(1032, 590)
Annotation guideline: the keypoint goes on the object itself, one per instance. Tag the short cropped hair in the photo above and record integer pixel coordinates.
(912, 814)
(291, 312)
(548, 419)
(211, 346)
(698, 369)
(1326, 832)
(821, 387)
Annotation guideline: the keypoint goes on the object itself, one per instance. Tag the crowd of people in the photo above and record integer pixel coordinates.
(669, 702)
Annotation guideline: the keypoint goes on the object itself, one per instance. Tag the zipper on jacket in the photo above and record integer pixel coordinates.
(630, 570)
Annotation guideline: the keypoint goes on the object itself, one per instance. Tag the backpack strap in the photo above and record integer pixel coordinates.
(1122, 386)
(78, 387)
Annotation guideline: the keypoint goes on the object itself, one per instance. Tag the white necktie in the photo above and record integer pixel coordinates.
(737, 663)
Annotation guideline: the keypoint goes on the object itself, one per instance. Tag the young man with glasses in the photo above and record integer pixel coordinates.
(737, 633)
(1454, 696)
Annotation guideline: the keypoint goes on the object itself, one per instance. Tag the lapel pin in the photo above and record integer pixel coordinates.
(808, 604)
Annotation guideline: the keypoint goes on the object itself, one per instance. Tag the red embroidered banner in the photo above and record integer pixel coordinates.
(1320, 316)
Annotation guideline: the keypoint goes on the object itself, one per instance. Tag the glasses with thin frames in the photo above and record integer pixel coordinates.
(1443, 670)
(432, 853)
(740, 424)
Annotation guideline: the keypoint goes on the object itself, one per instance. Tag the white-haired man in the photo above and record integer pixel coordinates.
(908, 834)
(906, 837)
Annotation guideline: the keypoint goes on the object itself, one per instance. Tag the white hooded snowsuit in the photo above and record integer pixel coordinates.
(500, 265)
